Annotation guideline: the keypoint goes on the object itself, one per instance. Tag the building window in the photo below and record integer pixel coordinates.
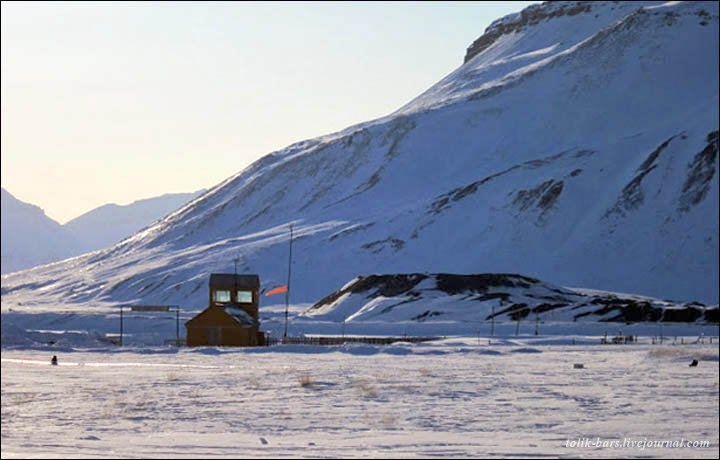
(221, 296)
(244, 297)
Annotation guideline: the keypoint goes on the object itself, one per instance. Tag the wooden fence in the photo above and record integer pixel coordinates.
(339, 340)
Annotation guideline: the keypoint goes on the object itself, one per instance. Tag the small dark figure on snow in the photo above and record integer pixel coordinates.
(694, 363)
(53, 361)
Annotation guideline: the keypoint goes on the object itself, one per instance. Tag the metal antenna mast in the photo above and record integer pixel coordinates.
(287, 292)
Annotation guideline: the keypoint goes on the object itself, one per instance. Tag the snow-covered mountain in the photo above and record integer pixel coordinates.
(31, 238)
(111, 223)
(578, 144)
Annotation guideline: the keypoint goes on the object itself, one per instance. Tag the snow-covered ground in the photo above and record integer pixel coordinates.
(460, 397)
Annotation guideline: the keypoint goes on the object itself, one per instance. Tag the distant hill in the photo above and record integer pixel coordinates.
(428, 297)
(30, 238)
(111, 223)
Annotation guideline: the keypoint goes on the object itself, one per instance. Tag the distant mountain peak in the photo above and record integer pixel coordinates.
(30, 238)
(551, 10)
(533, 14)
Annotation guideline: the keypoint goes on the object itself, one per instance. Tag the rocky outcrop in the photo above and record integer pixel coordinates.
(529, 16)
(516, 297)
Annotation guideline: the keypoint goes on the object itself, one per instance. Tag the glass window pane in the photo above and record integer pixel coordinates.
(244, 297)
(222, 296)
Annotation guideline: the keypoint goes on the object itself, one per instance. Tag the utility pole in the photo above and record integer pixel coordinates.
(287, 292)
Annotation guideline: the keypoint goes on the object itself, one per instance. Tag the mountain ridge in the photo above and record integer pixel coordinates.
(40, 240)
(562, 153)
(111, 223)
(31, 238)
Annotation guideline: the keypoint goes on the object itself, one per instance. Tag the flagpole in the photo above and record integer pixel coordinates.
(287, 292)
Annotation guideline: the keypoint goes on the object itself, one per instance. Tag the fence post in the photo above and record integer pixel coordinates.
(121, 325)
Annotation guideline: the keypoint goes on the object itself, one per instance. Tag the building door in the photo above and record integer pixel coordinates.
(214, 335)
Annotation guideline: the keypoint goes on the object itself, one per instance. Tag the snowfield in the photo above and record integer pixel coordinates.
(518, 397)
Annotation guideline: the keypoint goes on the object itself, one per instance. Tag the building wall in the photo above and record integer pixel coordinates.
(212, 335)
(235, 283)
(251, 308)
(214, 327)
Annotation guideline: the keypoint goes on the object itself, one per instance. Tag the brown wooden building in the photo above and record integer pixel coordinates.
(232, 316)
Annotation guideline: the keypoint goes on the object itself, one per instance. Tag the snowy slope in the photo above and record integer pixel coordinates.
(578, 149)
(483, 297)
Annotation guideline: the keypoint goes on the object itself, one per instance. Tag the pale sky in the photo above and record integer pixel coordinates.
(112, 102)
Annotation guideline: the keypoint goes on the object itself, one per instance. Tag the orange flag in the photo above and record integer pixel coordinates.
(277, 290)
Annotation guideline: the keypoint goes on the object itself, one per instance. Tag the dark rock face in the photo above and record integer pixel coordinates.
(384, 285)
(529, 16)
(712, 315)
(402, 284)
(632, 194)
(454, 284)
(700, 173)
(633, 311)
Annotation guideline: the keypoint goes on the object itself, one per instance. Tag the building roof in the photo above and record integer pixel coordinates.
(237, 315)
(241, 316)
(230, 281)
